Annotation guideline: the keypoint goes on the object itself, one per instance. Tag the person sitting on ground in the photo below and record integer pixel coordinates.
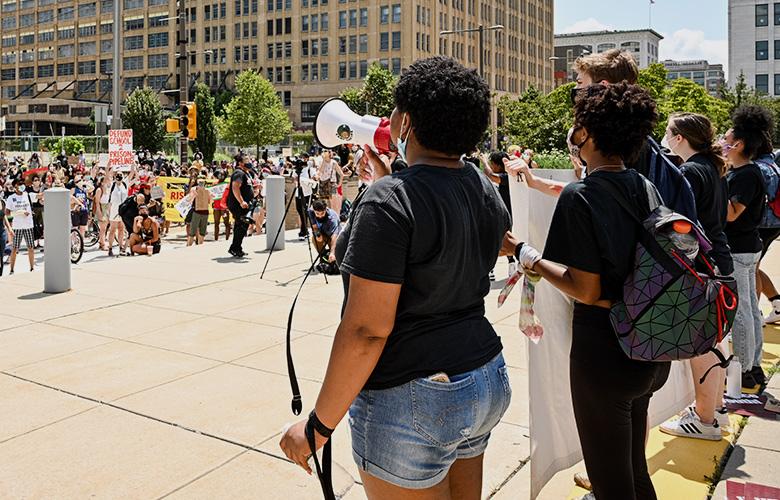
(326, 228)
(146, 234)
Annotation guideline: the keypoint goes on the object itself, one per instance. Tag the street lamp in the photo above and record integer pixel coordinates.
(481, 30)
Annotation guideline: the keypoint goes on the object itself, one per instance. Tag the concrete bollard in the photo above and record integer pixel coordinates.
(274, 212)
(56, 258)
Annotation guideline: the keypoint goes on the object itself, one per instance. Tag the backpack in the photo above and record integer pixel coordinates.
(771, 172)
(674, 188)
(669, 311)
(125, 205)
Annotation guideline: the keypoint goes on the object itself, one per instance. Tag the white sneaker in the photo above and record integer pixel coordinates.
(689, 425)
(774, 316)
(512, 269)
(722, 417)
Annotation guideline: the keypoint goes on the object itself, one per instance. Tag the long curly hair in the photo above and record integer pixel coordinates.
(618, 117)
(754, 126)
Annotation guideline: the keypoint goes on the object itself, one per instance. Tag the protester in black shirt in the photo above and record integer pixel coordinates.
(414, 351)
(595, 239)
(691, 137)
(496, 172)
(742, 144)
(238, 203)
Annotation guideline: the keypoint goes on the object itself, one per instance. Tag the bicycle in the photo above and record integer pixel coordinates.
(91, 233)
(76, 246)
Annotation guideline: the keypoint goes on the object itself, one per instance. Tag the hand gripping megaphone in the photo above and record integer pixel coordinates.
(336, 124)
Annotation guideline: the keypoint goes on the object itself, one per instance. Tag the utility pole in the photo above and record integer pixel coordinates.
(183, 90)
(116, 91)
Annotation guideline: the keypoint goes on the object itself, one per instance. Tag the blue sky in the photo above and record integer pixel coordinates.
(692, 29)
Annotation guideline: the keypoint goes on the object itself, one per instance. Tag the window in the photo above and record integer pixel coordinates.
(134, 24)
(777, 84)
(106, 66)
(45, 54)
(90, 30)
(46, 16)
(634, 47)
(24, 20)
(342, 45)
(342, 70)
(157, 20)
(363, 69)
(132, 83)
(315, 23)
(342, 19)
(106, 45)
(64, 69)
(134, 42)
(65, 50)
(9, 7)
(396, 40)
(66, 33)
(309, 111)
(384, 41)
(87, 9)
(352, 70)
(762, 50)
(324, 47)
(106, 28)
(352, 44)
(762, 84)
(9, 22)
(87, 48)
(133, 4)
(353, 18)
(45, 71)
(762, 14)
(304, 23)
(65, 13)
(80, 112)
(9, 58)
(87, 67)
(396, 66)
(323, 71)
(27, 73)
(397, 13)
(777, 56)
(106, 5)
(133, 63)
(59, 109)
(304, 72)
(27, 56)
(158, 39)
(777, 13)
(27, 39)
(603, 47)
(85, 87)
(384, 14)
(158, 61)
(324, 23)
(363, 17)
(363, 44)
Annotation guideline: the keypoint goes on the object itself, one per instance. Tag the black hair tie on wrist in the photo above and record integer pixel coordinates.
(321, 428)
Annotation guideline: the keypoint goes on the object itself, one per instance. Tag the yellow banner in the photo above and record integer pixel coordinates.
(173, 187)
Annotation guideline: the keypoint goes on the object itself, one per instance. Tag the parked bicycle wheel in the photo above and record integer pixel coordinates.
(76, 246)
(91, 234)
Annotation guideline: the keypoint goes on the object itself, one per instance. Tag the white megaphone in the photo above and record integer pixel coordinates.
(336, 124)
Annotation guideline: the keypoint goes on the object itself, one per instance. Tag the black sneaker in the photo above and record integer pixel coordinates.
(758, 375)
(748, 381)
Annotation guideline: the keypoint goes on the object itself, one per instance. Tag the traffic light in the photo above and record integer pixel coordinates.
(189, 120)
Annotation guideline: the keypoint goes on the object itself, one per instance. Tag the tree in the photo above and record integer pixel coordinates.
(684, 95)
(653, 79)
(538, 121)
(143, 113)
(221, 100)
(206, 139)
(255, 116)
(377, 95)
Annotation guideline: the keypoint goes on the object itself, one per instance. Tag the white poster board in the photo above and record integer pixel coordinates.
(555, 445)
(120, 149)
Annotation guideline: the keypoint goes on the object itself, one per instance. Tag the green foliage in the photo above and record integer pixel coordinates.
(221, 100)
(302, 140)
(538, 121)
(553, 159)
(206, 139)
(376, 96)
(255, 116)
(72, 145)
(653, 79)
(143, 113)
(684, 95)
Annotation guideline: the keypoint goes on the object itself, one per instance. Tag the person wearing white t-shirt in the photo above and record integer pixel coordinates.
(19, 204)
(117, 194)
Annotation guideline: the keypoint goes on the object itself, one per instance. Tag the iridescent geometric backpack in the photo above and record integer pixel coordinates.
(669, 310)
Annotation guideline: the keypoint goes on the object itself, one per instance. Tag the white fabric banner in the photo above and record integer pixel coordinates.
(555, 444)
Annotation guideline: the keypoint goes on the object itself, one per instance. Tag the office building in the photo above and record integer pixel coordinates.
(643, 44)
(709, 76)
(57, 56)
(754, 44)
(563, 67)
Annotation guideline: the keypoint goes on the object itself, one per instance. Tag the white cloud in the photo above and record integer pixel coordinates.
(686, 44)
(589, 24)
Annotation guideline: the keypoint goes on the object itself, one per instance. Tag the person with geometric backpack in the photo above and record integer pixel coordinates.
(769, 229)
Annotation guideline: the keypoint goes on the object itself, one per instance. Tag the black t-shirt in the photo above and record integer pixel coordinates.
(747, 187)
(437, 232)
(591, 232)
(503, 191)
(246, 190)
(711, 192)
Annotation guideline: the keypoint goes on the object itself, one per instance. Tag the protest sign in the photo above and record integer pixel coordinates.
(120, 149)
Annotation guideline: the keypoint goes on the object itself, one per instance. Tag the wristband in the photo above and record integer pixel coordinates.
(321, 428)
(517, 250)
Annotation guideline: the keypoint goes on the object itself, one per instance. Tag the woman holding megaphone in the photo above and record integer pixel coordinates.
(414, 360)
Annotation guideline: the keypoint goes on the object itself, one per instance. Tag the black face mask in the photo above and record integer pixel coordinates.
(145, 216)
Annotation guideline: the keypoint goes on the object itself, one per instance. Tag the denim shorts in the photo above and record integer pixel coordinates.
(410, 435)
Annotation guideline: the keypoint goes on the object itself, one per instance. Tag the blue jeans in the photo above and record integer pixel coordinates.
(410, 435)
(747, 332)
